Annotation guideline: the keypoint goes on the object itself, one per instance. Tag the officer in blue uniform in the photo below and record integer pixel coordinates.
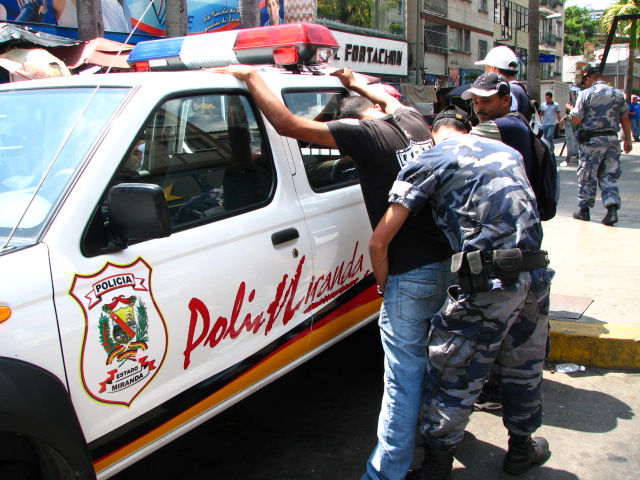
(599, 112)
(497, 313)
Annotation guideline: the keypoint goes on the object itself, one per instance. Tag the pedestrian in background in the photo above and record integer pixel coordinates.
(381, 135)
(599, 113)
(492, 316)
(634, 115)
(550, 117)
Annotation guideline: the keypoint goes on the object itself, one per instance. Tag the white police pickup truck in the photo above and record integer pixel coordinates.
(164, 252)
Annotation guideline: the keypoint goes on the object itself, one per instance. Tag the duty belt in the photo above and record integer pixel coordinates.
(474, 269)
(586, 135)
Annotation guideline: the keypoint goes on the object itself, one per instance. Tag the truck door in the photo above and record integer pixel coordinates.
(171, 330)
(343, 288)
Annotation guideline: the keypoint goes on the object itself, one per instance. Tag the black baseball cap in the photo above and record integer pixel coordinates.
(487, 85)
(451, 111)
(588, 71)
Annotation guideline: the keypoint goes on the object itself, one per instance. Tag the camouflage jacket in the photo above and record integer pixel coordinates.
(599, 108)
(479, 193)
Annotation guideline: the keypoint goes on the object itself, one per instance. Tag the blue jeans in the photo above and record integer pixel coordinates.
(548, 132)
(635, 127)
(410, 300)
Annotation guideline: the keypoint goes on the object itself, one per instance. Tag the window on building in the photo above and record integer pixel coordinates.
(439, 7)
(483, 48)
(460, 40)
(483, 5)
(454, 38)
(326, 169)
(386, 16)
(436, 39)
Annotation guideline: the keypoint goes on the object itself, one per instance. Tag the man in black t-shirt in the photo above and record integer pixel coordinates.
(381, 135)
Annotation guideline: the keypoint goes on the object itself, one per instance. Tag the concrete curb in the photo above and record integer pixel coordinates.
(595, 345)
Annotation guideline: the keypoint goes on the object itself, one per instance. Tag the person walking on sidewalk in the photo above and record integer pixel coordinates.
(380, 134)
(599, 112)
(497, 313)
(634, 115)
(550, 117)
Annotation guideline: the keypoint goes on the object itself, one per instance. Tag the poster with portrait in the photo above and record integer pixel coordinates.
(125, 15)
(271, 12)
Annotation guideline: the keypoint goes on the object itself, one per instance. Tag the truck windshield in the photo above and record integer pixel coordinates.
(44, 136)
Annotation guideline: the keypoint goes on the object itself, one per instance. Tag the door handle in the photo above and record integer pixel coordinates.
(284, 236)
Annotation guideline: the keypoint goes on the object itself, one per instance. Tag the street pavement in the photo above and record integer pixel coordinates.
(595, 306)
(319, 423)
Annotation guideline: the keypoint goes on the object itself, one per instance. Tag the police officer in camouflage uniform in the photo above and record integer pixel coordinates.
(599, 112)
(497, 313)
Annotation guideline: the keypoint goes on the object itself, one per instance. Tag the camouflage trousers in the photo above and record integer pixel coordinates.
(505, 328)
(599, 166)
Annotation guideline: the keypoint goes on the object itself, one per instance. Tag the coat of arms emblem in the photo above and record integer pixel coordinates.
(125, 337)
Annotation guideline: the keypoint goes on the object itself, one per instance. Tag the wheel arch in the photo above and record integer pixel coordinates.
(35, 403)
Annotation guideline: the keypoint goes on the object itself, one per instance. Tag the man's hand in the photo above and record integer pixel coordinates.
(347, 78)
(241, 72)
(627, 146)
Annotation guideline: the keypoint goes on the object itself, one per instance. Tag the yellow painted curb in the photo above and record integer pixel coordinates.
(595, 345)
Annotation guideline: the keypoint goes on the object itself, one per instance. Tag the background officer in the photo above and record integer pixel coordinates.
(599, 112)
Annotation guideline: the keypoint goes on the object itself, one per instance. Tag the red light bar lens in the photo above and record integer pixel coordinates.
(286, 35)
(285, 56)
(140, 67)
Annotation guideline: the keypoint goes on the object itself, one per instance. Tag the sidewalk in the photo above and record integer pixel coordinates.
(595, 305)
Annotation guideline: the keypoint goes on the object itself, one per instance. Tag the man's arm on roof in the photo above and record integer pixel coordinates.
(388, 103)
(285, 122)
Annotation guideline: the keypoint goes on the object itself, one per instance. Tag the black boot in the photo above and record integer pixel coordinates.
(582, 214)
(525, 452)
(437, 464)
(612, 215)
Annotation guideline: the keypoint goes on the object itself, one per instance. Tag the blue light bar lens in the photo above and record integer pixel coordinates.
(154, 49)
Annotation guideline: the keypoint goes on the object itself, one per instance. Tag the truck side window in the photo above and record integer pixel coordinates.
(207, 153)
(326, 168)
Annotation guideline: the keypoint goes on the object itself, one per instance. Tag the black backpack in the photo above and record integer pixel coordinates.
(546, 184)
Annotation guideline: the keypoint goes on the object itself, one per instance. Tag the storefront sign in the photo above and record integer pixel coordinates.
(377, 56)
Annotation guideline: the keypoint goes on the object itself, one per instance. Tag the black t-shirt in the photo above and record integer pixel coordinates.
(379, 149)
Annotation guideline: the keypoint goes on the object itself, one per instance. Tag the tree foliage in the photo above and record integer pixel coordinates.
(628, 28)
(578, 30)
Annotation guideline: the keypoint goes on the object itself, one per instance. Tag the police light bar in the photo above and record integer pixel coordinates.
(288, 44)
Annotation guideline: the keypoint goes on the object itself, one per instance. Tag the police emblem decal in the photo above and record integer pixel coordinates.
(125, 338)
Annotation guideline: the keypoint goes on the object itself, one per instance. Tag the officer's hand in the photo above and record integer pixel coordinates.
(241, 72)
(627, 146)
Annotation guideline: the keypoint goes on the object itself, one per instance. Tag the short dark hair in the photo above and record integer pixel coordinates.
(353, 107)
(449, 122)
(549, 93)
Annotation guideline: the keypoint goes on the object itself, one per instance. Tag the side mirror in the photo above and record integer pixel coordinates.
(138, 211)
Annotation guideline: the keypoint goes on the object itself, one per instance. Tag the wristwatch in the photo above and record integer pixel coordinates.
(380, 292)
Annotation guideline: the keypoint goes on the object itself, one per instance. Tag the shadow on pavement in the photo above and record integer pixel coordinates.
(488, 465)
(573, 408)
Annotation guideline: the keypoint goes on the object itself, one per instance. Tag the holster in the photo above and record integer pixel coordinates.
(469, 268)
(507, 264)
(583, 136)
